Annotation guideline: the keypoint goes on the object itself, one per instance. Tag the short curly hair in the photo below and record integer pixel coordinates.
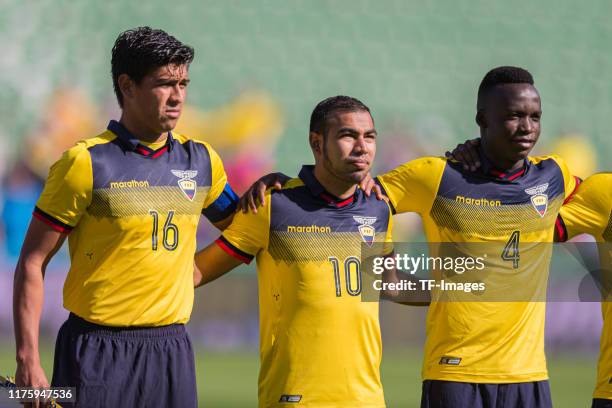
(501, 76)
(140, 50)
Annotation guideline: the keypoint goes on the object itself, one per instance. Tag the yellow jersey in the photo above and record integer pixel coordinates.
(132, 214)
(589, 211)
(486, 341)
(320, 345)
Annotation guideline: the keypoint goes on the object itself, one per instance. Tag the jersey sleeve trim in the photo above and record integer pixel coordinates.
(561, 229)
(577, 181)
(51, 221)
(384, 192)
(223, 206)
(233, 251)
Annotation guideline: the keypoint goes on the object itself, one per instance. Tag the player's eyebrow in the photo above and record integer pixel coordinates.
(520, 111)
(172, 80)
(355, 132)
(348, 130)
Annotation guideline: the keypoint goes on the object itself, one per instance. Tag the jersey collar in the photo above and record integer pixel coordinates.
(489, 169)
(132, 143)
(311, 182)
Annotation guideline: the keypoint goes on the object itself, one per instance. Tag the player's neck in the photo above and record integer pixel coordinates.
(140, 130)
(499, 163)
(335, 186)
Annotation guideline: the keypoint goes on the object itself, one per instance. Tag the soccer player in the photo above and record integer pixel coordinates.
(320, 345)
(129, 201)
(589, 211)
(488, 354)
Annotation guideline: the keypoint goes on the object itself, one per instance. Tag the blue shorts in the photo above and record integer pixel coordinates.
(601, 403)
(450, 394)
(125, 367)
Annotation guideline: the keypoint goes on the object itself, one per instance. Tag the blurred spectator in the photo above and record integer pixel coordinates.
(68, 117)
(20, 191)
(578, 152)
(244, 131)
(251, 118)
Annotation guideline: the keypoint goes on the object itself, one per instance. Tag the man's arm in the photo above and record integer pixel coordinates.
(40, 244)
(254, 196)
(416, 297)
(242, 239)
(221, 201)
(211, 263)
(224, 223)
(466, 153)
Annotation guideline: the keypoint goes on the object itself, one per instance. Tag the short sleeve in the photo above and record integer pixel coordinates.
(248, 233)
(388, 246)
(570, 181)
(67, 191)
(412, 187)
(221, 200)
(588, 210)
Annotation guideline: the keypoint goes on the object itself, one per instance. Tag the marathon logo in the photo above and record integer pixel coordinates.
(309, 228)
(129, 184)
(290, 398)
(450, 360)
(481, 202)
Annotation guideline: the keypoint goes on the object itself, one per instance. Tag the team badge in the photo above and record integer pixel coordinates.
(366, 228)
(187, 185)
(539, 199)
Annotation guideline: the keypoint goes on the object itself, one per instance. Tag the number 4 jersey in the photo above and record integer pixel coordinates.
(132, 214)
(484, 342)
(319, 343)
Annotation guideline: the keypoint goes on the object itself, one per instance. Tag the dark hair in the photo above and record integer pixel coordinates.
(140, 50)
(331, 105)
(500, 76)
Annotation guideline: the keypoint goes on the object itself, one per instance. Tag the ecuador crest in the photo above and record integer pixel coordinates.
(366, 228)
(186, 183)
(539, 199)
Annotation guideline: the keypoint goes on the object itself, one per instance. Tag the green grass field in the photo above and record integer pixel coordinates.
(229, 379)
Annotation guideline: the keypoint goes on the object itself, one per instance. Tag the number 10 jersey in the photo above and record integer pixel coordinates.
(320, 343)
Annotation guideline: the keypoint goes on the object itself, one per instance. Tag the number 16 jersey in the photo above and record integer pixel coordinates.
(132, 214)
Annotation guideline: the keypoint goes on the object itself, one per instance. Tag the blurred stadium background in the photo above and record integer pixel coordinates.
(260, 68)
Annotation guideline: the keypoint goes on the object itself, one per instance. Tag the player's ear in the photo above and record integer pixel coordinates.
(316, 142)
(480, 119)
(126, 85)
